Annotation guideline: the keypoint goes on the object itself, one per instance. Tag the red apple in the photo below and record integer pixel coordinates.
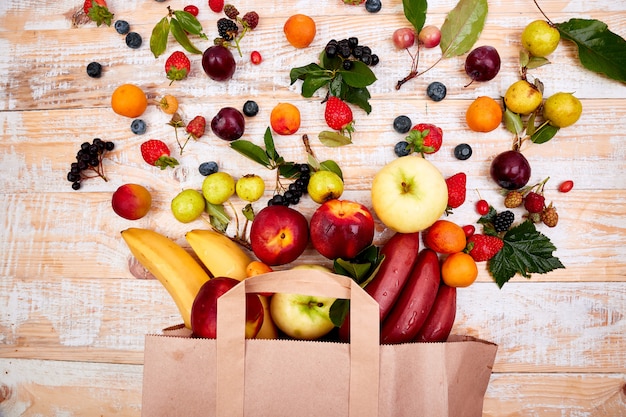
(279, 234)
(204, 309)
(341, 229)
(131, 201)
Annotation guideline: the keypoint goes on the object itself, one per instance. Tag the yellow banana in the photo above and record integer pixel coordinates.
(220, 255)
(181, 275)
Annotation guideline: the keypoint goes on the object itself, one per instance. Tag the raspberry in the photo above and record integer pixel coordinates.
(227, 28)
(513, 199)
(251, 19)
(549, 216)
(231, 11)
(534, 202)
(503, 221)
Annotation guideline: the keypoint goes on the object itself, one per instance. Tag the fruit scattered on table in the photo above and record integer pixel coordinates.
(208, 168)
(403, 38)
(299, 29)
(562, 109)
(484, 247)
(250, 108)
(402, 124)
(168, 104)
(255, 57)
(177, 66)
(483, 63)
(122, 27)
(462, 151)
(89, 162)
(156, 153)
(566, 186)
(218, 187)
(191, 9)
(279, 235)
(459, 270)
(444, 237)
(138, 127)
(133, 40)
(456, 190)
(373, 6)
(131, 201)
(228, 124)
(94, 69)
(510, 170)
(540, 38)
(429, 36)
(285, 119)
(522, 97)
(436, 91)
(324, 185)
(484, 114)
(216, 5)
(98, 12)
(220, 255)
(338, 116)
(129, 100)
(250, 187)
(188, 205)
(218, 63)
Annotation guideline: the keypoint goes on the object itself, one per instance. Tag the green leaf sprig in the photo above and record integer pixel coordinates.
(349, 85)
(178, 23)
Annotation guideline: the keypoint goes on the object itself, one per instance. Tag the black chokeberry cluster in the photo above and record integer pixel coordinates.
(296, 189)
(89, 158)
(503, 221)
(350, 50)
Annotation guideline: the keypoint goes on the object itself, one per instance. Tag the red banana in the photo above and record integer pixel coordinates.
(440, 320)
(411, 309)
(400, 255)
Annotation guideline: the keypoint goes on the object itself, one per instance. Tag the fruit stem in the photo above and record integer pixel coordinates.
(414, 63)
(544, 15)
(307, 145)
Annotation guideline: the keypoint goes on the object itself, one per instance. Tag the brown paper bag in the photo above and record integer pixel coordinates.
(231, 376)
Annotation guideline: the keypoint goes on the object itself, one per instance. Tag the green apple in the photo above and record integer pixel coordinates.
(324, 185)
(409, 194)
(188, 205)
(301, 316)
(218, 187)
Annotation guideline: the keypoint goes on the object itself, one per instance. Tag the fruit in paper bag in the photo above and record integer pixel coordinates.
(409, 194)
(302, 316)
(439, 323)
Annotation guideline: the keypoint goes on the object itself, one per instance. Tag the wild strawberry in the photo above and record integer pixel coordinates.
(483, 247)
(156, 153)
(513, 199)
(338, 115)
(534, 202)
(456, 190)
(549, 216)
(98, 12)
(177, 66)
(425, 138)
(216, 5)
(196, 127)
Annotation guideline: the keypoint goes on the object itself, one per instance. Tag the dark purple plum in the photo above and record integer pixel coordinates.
(218, 63)
(483, 63)
(228, 124)
(510, 170)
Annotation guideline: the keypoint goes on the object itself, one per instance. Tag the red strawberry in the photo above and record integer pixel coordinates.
(338, 115)
(425, 138)
(456, 189)
(177, 66)
(484, 247)
(216, 5)
(156, 153)
(196, 127)
(98, 12)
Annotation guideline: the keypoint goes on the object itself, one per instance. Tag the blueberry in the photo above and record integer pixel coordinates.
(436, 91)
(133, 40)
(402, 148)
(122, 27)
(402, 124)
(373, 6)
(94, 70)
(208, 168)
(462, 151)
(138, 127)
(250, 108)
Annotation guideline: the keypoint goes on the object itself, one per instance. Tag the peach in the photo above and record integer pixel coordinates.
(131, 201)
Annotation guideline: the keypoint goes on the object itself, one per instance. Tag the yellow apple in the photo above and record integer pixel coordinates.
(302, 316)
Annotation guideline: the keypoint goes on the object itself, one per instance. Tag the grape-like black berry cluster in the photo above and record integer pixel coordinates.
(296, 189)
(89, 158)
(503, 221)
(350, 50)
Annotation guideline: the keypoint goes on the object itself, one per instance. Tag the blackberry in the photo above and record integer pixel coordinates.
(402, 124)
(503, 221)
(227, 29)
(436, 91)
(208, 168)
(373, 6)
(133, 40)
(462, 151)
(122, 27)
(231, 11)
(138, 127)
(402, 148)
(251, 19)
(250, 108)
(94, 70)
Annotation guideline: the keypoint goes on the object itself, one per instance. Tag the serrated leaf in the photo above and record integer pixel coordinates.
(189, 23)
(544, 133)
(536, 62)
(313, 82)
(218, 217)
(357, 96)
(599, 49)
(251, 151)
(462, 27)
(526, 251)
(181, 37)
(330, 165)
(158, 39)
(333, 139)
(335, 88)
(513, 122)
(270, 148)
(415, 13)
(359, 76)
(300, 72)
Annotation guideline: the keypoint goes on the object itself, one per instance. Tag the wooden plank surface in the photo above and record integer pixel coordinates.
(73, 317)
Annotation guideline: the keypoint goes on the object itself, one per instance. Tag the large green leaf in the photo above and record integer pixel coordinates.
(158, 39)
(189, 23)
(181, 36)
(599, 49)
(415, 12)
(463, 27)
(359, 76)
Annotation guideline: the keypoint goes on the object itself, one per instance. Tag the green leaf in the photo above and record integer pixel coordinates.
(544, 133)
(357, 96)
(530, 124)
(300, 72)
(218, 217)
(513, 122)
(335, 88)
(359, 76)
(182, 38)
(332, 64)
(525, 251)
(415, 12)
(536, 62)
(330, 165)
(251, 151)
(313, 82)
(313, 163)
(599, 49)
(158, 39)
(339, 311)
(333, 139)
(363, 267)
(352, 269)
(248, 212)
(270, 148)
(462, 27)
(189, 23)
(288, 170)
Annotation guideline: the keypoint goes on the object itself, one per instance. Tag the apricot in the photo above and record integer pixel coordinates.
(445, 236)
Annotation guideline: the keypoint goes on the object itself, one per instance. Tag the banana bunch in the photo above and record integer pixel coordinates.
(181, 275)
(219, 254)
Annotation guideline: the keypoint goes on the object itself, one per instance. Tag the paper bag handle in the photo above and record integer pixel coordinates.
(364, 336)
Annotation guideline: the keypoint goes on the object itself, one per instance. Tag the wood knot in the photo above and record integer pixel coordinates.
(5, 392)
